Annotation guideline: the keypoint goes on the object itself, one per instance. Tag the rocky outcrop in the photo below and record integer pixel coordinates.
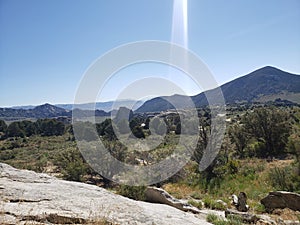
(42, 199)
(281, 200)
(158, 195)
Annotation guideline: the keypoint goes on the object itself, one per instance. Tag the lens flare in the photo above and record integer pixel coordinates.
(180, 37)
(180, 23)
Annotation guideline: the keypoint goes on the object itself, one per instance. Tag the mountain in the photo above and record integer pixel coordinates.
(262, 85)
(41, 111)
(103, 109)
(48, 111)
(105, 106)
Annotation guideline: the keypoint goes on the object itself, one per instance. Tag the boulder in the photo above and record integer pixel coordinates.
(159, 195)
(27, 197)
(242, 202)
(281, 200)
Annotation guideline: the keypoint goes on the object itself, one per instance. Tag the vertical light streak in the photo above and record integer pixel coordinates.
(180, 23)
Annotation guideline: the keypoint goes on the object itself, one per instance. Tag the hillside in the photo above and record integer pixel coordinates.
(265, 84)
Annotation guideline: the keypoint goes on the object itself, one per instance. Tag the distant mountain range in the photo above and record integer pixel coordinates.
(262, 85)
(45, 111)
(65, 110)
(105, 106)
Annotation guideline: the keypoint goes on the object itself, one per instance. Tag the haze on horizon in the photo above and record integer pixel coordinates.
(45, 47)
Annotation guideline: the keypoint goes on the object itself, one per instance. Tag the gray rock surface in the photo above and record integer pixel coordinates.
(42, 199)
(158, 195)
(281, 200)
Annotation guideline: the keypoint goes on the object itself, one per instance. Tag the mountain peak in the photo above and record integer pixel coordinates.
(269, 70)
(265, 84)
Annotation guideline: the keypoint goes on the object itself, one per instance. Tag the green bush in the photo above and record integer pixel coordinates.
(213, 204)
(211, 218)
(133, 192)
(75, 171)
(283, 179)
(231, 220)
(197, 204)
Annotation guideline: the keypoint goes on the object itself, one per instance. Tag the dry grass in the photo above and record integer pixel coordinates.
(180, 190)
(286, 214)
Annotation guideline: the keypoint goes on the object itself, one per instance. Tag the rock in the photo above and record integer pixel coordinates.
(221, 202)
(281, 200)
(242, 202)
(27, 197)
(159, 195)
(244, 216)
(235, 200)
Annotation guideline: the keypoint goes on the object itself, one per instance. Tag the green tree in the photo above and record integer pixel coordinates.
(106, 130)
(29, 127)
(50, 127)
(138, 132)
(240, 138)
(3, 126)
(270, 127)
(14, 130)
(72, 164)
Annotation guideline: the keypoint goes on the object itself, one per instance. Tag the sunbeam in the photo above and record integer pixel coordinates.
(180, 23)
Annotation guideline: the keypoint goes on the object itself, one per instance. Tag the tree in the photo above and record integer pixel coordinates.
(3, 126)
(239, 138)
(135, 126)
(137, 131)
(50, 127)
(14, 130)
(29, 127)
(106, 130)
(270, 127)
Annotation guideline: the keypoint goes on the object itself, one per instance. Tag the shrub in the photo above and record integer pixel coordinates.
(213, 204)
(212, 218)
(282, 178)
(231, 220)
(75, 171)
(197, 204)
(133, 192)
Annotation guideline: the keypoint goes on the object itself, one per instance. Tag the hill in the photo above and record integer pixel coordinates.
(265, 84)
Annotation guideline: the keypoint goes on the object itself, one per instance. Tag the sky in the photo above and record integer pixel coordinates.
(47, 46)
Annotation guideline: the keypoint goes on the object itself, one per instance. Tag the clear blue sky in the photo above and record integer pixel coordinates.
(46, 46)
